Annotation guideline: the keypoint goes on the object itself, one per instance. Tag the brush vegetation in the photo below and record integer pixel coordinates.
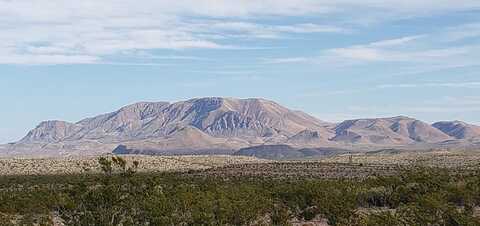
(120, 195)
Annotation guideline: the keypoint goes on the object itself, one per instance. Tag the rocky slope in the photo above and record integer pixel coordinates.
(458, 129)
(225, 125)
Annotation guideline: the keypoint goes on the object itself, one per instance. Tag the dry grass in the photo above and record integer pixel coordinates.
(443, 159)
(358, 165)
(73, 165)
(298, 170)
(348, 165)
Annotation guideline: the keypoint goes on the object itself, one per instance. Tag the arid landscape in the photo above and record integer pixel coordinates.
(335, 166)
(376, 189)
(146, 164)
(239, 113)
(227, 161)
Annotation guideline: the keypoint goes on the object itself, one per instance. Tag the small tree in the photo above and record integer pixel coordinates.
(109, 166)
(105, 165)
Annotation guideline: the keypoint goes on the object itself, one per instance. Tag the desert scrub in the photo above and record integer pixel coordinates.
(121, 195)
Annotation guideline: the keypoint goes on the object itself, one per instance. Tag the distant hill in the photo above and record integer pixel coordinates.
(225, 125)
(388, 131)
(282, 152)
(271, 152)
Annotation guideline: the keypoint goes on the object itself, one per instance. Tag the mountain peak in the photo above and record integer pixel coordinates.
(401, 117)
(142, 105)
(49, 131)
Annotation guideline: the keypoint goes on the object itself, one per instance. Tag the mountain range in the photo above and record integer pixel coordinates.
(215, 125)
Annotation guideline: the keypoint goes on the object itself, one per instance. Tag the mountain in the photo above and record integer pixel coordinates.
(201, 123)
(458, 129)
(398, 130)
(223, 117)
(225, 125)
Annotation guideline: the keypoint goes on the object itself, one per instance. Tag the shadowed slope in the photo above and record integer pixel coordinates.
(458, 129)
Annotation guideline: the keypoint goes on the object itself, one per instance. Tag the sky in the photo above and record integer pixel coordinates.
(336, 60)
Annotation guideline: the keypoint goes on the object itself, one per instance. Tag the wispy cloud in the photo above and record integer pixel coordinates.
(134, 64)
(401, 49)
(240, 29)
(427, 51)
(373, 88)
(396, 41)
(150, 56)
(433, 85)
(285, 60)
(49, 59)
(59, 31)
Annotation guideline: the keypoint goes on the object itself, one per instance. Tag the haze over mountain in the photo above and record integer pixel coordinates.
(224, 125)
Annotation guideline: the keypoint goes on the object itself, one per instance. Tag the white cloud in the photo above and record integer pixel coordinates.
(85, 31)
(395, 42)
(428, 49)
(76, 30)
(47, 59)
(392, 50)
(285, 60)
(253, 30)
(145, 55)
(363, 53)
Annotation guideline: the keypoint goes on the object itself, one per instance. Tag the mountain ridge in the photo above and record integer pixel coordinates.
(227, 125)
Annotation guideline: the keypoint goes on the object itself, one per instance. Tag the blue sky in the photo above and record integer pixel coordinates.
(333, 59)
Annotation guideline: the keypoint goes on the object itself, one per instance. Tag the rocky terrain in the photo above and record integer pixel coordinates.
(217, 125)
